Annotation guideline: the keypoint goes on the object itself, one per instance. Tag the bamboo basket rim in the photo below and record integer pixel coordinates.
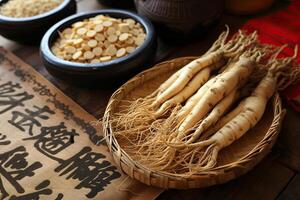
(166, 180)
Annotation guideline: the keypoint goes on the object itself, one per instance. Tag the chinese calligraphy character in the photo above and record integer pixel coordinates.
(41, 189)
(59, 196)
(90, 169)
(10, 98)
(3, 192)
(14, 167)
(21, 120)
(3, 140)
(53, 140)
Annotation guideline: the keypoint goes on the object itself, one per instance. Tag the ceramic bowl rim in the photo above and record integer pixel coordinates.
(76, 66)
(14, 20)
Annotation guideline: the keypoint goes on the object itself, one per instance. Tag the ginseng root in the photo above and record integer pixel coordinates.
(211, 60)
(228, 81)
(245, 116)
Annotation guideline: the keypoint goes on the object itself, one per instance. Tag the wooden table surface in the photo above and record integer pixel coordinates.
(276, 177)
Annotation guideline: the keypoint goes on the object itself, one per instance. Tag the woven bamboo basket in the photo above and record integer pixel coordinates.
(233, 161)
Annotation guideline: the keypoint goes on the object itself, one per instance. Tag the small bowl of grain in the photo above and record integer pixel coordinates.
(98, 48)
(26, 21)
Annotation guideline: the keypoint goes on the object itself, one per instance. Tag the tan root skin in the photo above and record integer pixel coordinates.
(148, 129)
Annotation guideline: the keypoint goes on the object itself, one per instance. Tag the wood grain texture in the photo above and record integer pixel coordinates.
(8, 44)
(289, 140)
(292, 191)
(87, 5)
(267, 181)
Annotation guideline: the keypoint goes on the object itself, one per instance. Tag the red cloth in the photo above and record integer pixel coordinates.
(278, 28)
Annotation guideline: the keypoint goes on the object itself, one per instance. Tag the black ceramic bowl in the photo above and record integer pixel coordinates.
(103, 73)
(30, 30)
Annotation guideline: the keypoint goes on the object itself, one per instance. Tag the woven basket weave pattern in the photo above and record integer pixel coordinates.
(233, 161)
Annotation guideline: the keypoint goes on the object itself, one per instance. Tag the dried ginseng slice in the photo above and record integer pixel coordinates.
(87, 40)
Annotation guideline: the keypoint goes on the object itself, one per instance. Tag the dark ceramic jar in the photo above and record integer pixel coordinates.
(181, 19)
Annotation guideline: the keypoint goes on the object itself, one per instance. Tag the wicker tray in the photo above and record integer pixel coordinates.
(233, 161)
